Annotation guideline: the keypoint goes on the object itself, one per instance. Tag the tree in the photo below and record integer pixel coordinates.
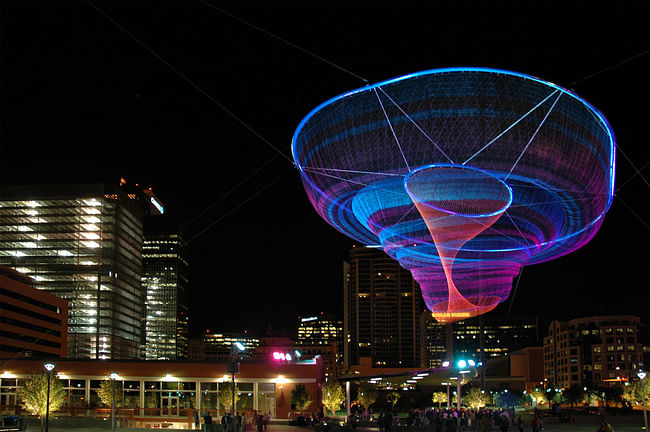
(574, 394)
(393, 398)
(638, 391)
(539, 397)
(367, 395)
(300, 397)
(34, 395)
(105, 393)
(440, 398)
(333, 396)
(476, 398)
(224, 396)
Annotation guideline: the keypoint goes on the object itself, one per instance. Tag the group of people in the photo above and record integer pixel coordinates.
(446, 420)
(237, 424)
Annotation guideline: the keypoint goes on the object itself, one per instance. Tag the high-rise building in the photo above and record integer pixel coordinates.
(165, 265)
(592, 351)
(383, 304)
(462, 339)
(320, 329)
(217, 345)
(82, 243)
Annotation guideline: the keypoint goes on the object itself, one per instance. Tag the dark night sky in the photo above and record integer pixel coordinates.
(83, 101)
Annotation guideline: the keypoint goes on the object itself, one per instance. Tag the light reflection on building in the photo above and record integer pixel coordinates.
(82, 243)
(166, 283)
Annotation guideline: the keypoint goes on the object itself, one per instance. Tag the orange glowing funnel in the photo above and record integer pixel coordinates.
(457, 204)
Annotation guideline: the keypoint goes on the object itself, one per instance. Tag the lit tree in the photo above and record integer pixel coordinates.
(476, 398)
(440, 398)
(33, 395)
(638, 391)
(539, 397)
(224, 396)
(105, 393)
(367, 395)
(333, 396)
(393, 398)
(300, 397)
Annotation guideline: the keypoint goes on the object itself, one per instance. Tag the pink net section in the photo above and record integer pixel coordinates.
(457, 204)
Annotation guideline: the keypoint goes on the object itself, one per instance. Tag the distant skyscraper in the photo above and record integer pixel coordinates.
(462, 339)
(320, 329)
(82, 243)
(164, 260)
(217, 346)
(383, 305)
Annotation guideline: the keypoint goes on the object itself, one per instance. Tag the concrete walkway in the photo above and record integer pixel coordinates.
(627, 423)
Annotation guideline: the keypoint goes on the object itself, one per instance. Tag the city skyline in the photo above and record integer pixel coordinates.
(98, 91)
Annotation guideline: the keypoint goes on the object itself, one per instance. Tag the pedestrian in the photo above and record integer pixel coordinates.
(196, 420)
(243, 422)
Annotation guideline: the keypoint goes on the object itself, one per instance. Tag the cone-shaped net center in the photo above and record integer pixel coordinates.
(457, 203)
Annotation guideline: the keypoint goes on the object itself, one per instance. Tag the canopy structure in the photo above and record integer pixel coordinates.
(463, 175)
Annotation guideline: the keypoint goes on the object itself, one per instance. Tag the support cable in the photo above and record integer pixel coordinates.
(232, 210)
(638, 172)
(299, 48)
(609, 67)
(189, 81)
(417, 126)
(510, 127)
(231, 190)
(533, 137)
(645, 224)
(390, 125)
(514, 294)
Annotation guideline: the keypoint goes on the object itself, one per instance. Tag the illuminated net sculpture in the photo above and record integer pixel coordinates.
(463, 175)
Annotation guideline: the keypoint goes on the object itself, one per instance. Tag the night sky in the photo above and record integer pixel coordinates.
(149, 91)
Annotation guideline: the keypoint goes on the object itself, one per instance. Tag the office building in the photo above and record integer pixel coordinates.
(217, 345)
(462, 339)
(33, 323)
(320, 329)
(592, 351)
(166, 394)
(382, 307)
(82, 243)
(166, 284)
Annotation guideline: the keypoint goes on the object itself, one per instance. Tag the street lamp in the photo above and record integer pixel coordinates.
(642, 375)
(49, 367)
(114, 376)
(234, 349)
(461, 365)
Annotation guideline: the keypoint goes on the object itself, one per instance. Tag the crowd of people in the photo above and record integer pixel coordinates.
(238, 423)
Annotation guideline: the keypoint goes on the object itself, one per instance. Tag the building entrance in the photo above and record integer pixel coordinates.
(169, 406)
(8, 402)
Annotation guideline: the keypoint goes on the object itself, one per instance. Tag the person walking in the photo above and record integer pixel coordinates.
(243, 422)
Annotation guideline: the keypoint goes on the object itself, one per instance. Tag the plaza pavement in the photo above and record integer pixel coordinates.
(582, 423)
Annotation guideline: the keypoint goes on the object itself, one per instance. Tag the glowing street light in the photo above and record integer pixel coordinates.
(234, 349)
(642, 376)
(49, 367)
(113, 376)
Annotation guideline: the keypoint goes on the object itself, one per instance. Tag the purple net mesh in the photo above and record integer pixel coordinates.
(463, 175)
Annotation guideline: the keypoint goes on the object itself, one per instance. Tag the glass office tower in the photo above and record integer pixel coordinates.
(166, 284)
(82, 243)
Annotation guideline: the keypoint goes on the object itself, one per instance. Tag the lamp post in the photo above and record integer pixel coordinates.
(49, 367)
(234, 349)
(461, 365)
(642, 375)
(114, 376)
